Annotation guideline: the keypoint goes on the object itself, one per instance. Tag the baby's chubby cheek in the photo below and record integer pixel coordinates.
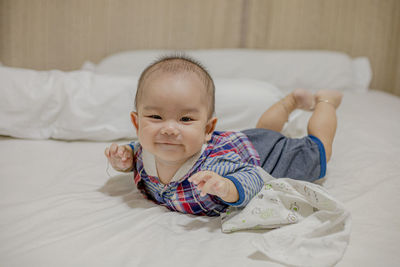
(144, 134)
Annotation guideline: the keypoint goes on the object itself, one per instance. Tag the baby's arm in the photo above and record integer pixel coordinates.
(237, 188)
(209, 182)
(120, 157)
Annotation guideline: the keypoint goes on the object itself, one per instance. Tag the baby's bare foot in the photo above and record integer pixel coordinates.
(332, 97)
(304, 99)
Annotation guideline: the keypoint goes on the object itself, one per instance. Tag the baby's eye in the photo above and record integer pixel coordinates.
(157, 117)
(186, 119)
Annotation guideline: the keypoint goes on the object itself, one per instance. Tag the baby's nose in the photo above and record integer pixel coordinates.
(170, 129)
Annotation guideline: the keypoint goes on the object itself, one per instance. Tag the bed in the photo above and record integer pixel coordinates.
(61, 205)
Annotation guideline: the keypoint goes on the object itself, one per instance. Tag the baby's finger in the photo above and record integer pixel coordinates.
(200, 176)
(113, 149)
(121, 152)
(209, 187)
(107, 152)
(127, 154)
(200, 185)
(193, 178)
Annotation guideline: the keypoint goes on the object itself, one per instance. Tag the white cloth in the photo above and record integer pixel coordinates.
(316, 228)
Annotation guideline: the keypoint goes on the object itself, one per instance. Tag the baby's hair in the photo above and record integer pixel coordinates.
(179, 63)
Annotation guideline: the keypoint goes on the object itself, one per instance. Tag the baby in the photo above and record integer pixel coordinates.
(181, 162)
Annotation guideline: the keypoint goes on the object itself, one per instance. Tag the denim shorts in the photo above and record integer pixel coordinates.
(296, 158)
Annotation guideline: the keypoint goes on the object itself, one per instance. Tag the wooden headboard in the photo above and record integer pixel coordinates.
(62, 34)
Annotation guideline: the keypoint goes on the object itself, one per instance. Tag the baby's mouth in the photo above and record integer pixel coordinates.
(167, 143)
(168, 146)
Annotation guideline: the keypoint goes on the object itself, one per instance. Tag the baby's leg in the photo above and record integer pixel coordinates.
(277, 115)
(322, 123)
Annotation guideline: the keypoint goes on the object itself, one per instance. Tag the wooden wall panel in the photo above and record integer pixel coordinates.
(358, 27)
(62, 34)
(396, 55)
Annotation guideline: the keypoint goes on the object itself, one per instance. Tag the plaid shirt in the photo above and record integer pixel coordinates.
(229, 154)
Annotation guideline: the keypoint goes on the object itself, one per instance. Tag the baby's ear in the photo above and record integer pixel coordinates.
(210, 128)
(135, 120)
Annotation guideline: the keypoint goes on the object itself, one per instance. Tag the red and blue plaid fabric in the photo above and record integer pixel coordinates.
(229, 154)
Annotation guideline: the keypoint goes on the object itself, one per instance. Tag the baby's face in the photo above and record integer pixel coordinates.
(171, 118)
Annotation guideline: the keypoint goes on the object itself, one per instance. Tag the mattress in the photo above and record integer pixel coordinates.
(61, 205)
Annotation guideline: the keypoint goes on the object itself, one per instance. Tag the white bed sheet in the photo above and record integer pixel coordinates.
(58, 206)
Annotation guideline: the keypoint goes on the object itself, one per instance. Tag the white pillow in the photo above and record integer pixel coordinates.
(65, 105)
(239, 103)
(285, 69)
(82, 105)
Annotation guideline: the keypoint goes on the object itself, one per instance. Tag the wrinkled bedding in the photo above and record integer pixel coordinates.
(59, 207)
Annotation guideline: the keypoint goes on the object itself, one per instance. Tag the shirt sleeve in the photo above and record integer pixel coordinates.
(134, 145)
(244, 176)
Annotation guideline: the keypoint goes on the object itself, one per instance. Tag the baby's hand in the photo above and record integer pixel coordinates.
(120, 157)
(209, 182)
